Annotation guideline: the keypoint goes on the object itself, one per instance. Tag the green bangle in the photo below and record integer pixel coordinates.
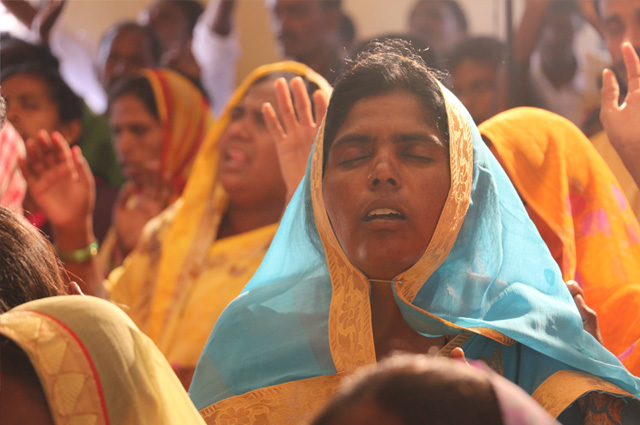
(79, 255)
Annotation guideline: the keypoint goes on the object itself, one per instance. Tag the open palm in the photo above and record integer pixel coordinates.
(59, 180)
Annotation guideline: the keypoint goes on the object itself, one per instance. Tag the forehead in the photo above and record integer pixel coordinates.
(129, 39)
(25, 82)
(260, 93)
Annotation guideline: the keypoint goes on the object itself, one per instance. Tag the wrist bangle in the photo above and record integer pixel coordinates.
(79, 255)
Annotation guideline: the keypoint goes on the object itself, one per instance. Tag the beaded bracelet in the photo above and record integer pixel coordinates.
(79, 255)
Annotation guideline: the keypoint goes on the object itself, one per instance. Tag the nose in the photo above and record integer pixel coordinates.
(123, 142)
(384, 174)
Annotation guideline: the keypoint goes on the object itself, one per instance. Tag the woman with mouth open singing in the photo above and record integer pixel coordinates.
(405, 234)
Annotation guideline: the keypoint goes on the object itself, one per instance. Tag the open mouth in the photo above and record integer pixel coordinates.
(234, 155)
(384, 214)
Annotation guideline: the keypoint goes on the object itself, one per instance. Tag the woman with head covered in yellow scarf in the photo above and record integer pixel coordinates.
(196, 256)
(581, 213)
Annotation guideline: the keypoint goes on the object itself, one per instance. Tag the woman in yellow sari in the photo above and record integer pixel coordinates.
(160, 119)
(196, 256)
(581, 213)
(80, 360)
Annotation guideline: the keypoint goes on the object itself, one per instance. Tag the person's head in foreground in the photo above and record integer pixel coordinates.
(414, 389)
(29, 268)
(405, 233)
(81, 360)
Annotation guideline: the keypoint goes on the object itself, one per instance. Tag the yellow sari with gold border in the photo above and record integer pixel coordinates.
(95, 366)
(180, 277)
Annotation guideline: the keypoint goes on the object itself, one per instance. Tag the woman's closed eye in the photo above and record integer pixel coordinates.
(353, 156)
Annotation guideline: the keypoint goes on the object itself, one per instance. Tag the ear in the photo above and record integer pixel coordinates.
(71, 131)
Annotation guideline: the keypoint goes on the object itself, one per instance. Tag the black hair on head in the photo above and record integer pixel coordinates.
(68, 103)
(419, 45)
(139, 87)
(383, 67)
(412, 388)
(15, 51)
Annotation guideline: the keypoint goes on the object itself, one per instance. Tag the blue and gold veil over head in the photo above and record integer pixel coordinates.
(486, 279)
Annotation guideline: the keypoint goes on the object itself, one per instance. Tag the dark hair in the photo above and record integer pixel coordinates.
(15, 51)
(29, 268)
(69, 104)
(481, 49)
(381, 68)
(138, 86)
(453, 5)
(112, 32)
(417, 43)
(414, 388)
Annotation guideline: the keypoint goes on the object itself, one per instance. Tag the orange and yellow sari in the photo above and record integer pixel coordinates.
(180, 277)
(581, 213)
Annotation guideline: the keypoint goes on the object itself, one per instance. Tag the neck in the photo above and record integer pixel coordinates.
(241, 218)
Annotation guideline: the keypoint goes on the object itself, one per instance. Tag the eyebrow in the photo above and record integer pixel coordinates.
(396, 138)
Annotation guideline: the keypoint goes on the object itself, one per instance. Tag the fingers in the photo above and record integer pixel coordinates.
(321, 103)
(610, 92)
(574, 288)
(302, 102)
(458, 354)
(272, 122)
(81, 167)
(285, 105)
(632, 64)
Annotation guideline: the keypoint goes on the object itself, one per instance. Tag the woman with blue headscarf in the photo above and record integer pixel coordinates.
(405, 234)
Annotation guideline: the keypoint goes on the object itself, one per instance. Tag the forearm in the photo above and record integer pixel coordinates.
(87, 273)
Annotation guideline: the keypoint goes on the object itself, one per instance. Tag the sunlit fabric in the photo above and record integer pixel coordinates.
(279, 350)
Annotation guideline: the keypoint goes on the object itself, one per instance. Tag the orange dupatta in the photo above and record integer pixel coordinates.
(581, 213)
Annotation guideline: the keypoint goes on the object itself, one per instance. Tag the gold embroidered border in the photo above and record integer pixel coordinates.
(66, 373)
(562, 388)
(291, 403)
(350, 331)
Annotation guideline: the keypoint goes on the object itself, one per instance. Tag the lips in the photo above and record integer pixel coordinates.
(384, 214)
(234, 157)
(383, 210)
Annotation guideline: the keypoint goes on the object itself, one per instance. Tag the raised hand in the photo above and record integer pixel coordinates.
(59, 180)
(294, 129)
(622, 121)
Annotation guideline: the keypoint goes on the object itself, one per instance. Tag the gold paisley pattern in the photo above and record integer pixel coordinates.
(66, 374)
(562, 388)
(291, 403)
